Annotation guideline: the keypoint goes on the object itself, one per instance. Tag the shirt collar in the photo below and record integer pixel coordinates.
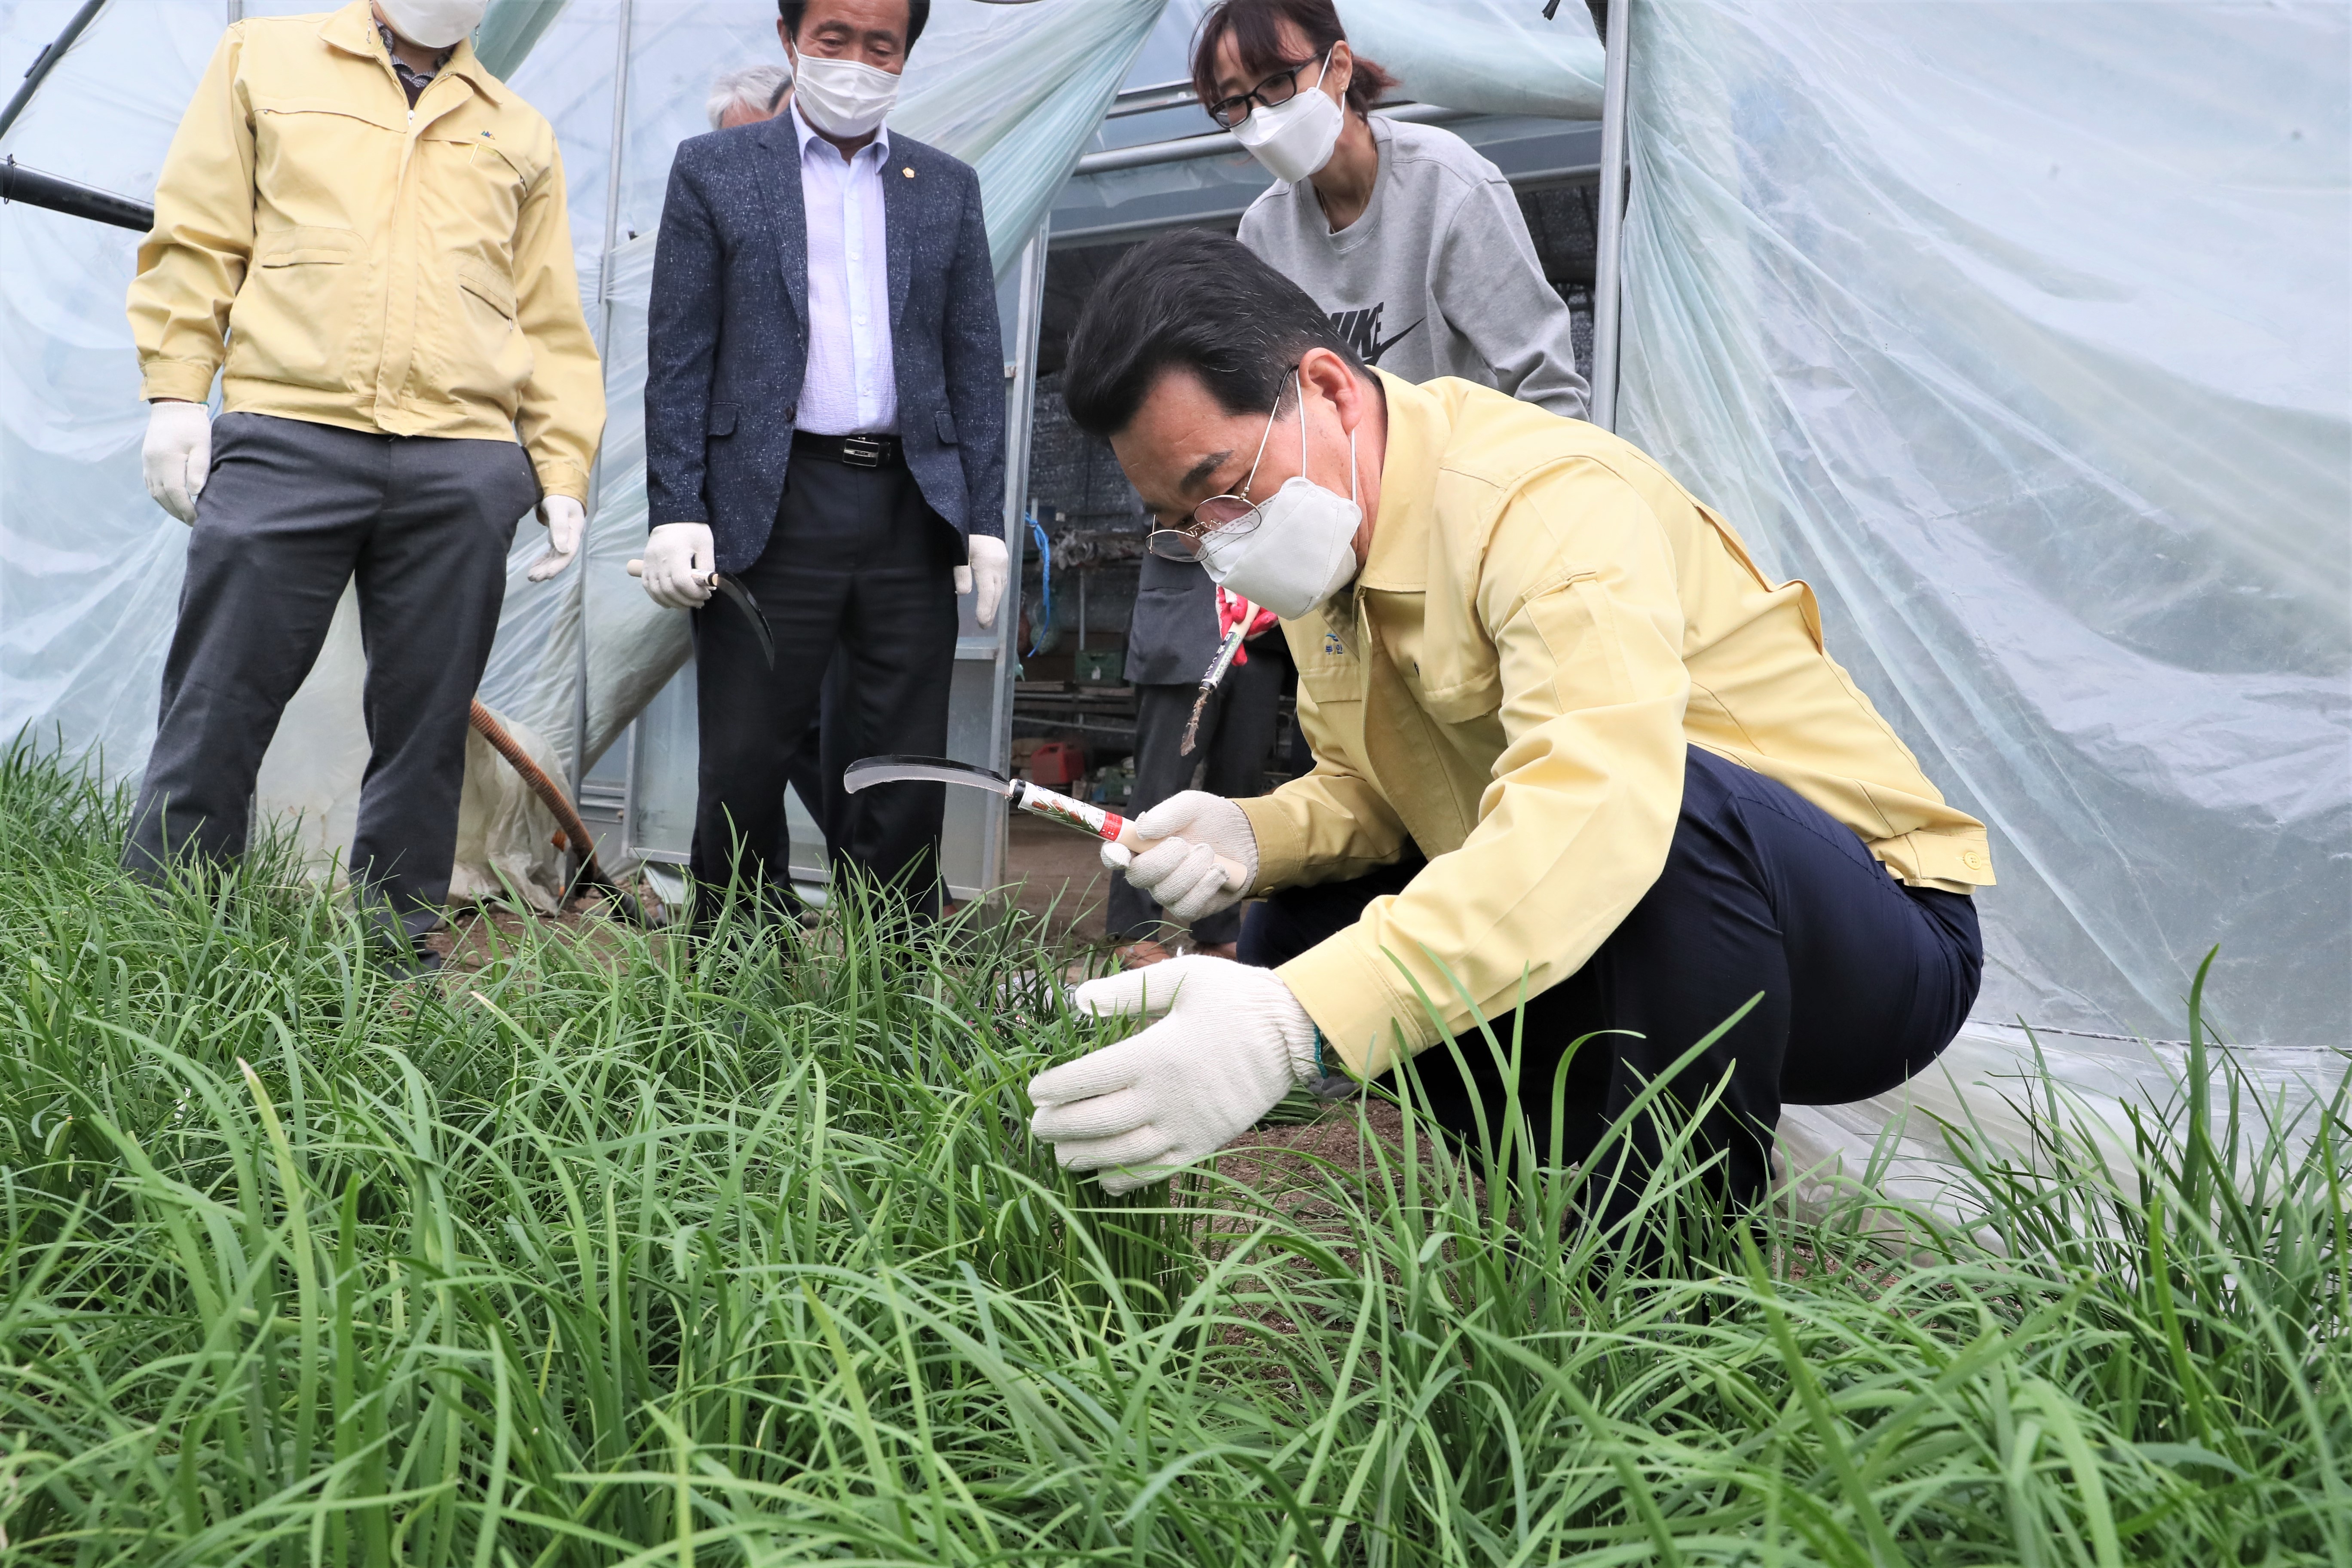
(879, 146)
(352, 30)
(386, 34)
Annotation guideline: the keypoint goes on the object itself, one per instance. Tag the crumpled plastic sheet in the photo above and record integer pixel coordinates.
(2019, 330)
(1496, 57)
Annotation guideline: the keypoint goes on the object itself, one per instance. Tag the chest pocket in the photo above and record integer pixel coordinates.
(1327, 672)
(1457, 685)
(309, 154)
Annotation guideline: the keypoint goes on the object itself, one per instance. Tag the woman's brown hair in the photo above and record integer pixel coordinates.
(1256, 30)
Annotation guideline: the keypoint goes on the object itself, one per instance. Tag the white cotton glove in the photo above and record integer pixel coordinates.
(1179, 872)
(985, 577)
(566, 520)
(678, 556)
(177, 454)
(1232, 1042)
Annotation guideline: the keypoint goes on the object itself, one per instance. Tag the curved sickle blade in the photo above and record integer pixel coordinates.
(930, 770)
(752, 612)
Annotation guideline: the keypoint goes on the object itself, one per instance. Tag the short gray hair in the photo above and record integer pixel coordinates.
(759, 88)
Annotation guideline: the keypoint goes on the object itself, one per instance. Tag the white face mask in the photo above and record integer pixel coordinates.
(434, 23)
(1303, 549)
(842, 98)
(1295, 140)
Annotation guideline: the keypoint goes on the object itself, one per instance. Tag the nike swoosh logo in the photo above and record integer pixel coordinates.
(1381, 348)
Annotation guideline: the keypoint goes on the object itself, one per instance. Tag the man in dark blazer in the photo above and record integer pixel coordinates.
(824, 421)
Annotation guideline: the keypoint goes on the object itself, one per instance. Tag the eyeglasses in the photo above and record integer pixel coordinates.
(1221, 522)
(1271, 93)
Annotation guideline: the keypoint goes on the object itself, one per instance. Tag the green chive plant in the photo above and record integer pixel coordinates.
(650, 1251)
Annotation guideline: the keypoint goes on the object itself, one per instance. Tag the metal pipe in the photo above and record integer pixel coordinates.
(1151, 100)
(575, 836)
(1609, 240)
(46, 61)
(35, 189)
(1220, 144)
(603, 342)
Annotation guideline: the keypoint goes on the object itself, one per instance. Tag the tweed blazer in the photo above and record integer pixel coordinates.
(727, 342)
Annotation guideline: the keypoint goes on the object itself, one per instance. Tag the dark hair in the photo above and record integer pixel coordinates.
(1257, 27)
(917, 12)
(1190, 299)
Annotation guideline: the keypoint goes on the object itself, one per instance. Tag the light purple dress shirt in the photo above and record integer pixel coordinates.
(851, 385)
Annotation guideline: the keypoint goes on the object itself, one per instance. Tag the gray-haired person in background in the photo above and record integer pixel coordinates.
(748, 96)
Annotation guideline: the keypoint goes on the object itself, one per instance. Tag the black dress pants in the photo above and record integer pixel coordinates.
(859, 572)
(1237, 731)
(1863, 981)
(290, 512)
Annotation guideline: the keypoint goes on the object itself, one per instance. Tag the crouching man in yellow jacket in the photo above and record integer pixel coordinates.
(365, 230)
(1571, 747)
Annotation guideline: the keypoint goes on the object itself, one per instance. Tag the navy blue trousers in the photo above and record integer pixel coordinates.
(1862, 982)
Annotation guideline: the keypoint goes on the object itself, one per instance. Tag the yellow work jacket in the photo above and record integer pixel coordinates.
(1545, 623)
(371, 266)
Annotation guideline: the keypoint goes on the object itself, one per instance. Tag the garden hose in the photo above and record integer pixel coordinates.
(575, 834)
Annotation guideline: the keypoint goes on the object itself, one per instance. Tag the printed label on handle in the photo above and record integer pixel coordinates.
(1078, 814)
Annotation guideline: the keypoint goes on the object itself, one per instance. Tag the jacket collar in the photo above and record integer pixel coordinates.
(352, 30)
(1418, 432)
(787, 216)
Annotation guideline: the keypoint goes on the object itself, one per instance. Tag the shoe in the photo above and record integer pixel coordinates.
(422, 963)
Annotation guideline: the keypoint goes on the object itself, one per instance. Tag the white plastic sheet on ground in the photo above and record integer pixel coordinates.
(2019, 330)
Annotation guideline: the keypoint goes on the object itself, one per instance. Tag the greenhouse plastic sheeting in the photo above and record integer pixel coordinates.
(1496, 57)
(2019, 330)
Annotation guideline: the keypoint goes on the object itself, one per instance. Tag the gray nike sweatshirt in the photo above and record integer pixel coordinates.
(1437, 277)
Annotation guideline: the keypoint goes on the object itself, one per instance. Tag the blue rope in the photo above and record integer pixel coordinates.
(1044, 623)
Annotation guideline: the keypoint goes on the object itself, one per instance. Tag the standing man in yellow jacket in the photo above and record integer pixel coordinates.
(1571, 749)
(365, 229)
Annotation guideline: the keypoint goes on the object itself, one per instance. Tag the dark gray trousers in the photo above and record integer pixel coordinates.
(290, 512)
(1237, 731)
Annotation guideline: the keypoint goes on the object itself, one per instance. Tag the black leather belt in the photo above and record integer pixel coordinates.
(856, 451)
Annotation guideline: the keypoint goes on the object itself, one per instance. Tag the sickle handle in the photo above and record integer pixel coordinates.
(1237, 876)
(1109, 826)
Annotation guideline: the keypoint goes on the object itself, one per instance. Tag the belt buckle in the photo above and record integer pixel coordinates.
(861, 451)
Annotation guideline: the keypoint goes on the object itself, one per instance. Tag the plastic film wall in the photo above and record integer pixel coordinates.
(2019, 330)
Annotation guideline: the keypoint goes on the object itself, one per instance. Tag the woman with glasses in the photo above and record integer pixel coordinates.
(1413, 243)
